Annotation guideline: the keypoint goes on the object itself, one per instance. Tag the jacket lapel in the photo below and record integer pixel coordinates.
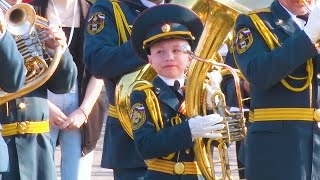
(283, 19)
(165, 94)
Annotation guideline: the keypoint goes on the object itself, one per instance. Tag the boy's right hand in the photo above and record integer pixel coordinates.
(206, 126)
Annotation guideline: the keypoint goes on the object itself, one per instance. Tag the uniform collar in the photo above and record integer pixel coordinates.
(149, 4)
(170, 82)
(165, 94)
(283, 18)
(298, 21)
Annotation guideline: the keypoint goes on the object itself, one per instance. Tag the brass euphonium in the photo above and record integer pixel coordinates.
(219, 18)
(123, 90)
(27, 29)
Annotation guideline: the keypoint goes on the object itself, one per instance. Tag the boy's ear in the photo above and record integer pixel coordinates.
(149, 59)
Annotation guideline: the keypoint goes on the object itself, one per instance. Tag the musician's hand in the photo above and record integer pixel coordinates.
(56, 116)
(312, 28)
(56, 37)
(75, 119)
(206, 126)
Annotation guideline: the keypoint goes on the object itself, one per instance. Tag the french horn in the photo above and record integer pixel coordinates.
(219, 18)
(27, 29)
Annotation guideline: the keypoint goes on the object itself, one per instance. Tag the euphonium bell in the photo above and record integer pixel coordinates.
(23, 23)
(219, 18)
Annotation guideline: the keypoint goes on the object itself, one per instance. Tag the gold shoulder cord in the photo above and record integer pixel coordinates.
(121, 22)
(272, 41)
(154, 109)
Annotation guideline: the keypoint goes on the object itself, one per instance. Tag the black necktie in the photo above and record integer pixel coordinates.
(175, 88)
(304, 17)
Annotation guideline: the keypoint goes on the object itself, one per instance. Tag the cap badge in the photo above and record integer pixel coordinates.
(165, 28)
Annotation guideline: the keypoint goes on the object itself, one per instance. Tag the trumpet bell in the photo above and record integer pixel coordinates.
(20, 19)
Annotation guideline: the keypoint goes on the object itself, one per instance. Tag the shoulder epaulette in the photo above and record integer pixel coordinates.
(262, 10)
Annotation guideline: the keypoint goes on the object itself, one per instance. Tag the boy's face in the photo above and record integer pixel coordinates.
(168, 59)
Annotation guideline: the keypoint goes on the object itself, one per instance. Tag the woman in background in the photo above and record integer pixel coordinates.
(70, 111)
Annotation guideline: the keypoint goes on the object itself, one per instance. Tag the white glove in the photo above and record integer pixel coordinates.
(215, 79)
(206, 126)
(312, 28)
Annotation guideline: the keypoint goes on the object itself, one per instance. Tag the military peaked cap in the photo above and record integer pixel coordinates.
(165, 21)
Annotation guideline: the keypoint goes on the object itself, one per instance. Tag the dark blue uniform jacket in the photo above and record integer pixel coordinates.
(152, 144)
(12, 73)
(107, 60)
(31, 155)
(282, 149)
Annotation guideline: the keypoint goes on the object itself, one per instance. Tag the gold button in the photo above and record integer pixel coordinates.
(179, 168)
(22, 105)
(22, 127)
(187, 151)
(316, 115)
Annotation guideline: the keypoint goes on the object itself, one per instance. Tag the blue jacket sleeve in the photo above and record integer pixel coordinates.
(228, 86)
(12, 65)
(264, 68)
(65, 75)
(153, 144)
(102, 54)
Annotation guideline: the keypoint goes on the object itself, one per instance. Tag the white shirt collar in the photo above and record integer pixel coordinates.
(149, 4)
(170, 82)
(298, 21)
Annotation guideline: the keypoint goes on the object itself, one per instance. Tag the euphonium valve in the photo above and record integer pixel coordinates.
(218, 17)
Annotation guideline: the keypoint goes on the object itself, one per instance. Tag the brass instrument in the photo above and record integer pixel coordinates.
(123, 90)
(304, 3)
(219, 18)
(27, 28)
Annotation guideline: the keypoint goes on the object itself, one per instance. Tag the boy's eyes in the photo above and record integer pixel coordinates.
(176, 50)
(160, 51)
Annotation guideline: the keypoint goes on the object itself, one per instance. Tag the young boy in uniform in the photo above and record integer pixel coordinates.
(162, 133)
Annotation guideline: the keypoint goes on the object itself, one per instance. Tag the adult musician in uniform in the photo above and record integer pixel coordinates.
(12, 73)
(25, 120)
(108, 55)
(277, 53)
(75, 112)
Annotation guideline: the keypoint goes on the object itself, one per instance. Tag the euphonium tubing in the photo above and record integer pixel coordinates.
(219, 18)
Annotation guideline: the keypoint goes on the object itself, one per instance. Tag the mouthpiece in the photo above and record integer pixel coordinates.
(186, 48)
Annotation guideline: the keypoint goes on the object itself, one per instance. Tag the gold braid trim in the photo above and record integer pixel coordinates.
(154, 110)
(121, 22)
(271, 40)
